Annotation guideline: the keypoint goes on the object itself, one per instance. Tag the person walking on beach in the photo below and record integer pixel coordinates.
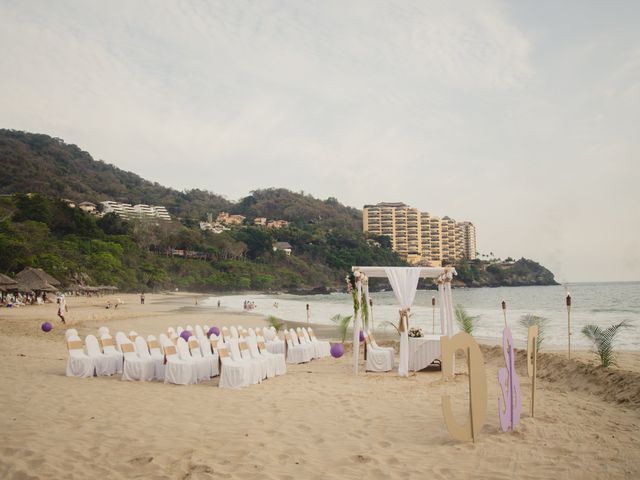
(62, 307)
(142, 298)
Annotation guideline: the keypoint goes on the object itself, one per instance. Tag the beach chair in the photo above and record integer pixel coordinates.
(245, 351)
(274, 343)
(108, 348)
(103, 331)
(189, 328)
(234, 332)
(142, 349)
(184, 354)
(236, 356)
(198, 332)
(78, 363)
(177, 371)
(295, 353)
(304, 340)
(135, 368)
(323, 346)
(276, 360)
(205, 365)
(374, 343)
(307, 348)
(208, 353)
(226, 336)
(133, 335)
(378, 359)
(232, 374)
(70, 332)
(106, 365)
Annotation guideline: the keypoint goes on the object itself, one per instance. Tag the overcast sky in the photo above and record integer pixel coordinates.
(522, 117)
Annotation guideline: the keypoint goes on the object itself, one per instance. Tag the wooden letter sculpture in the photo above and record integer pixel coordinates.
(477, 386)
(509, 401)
(532, 362)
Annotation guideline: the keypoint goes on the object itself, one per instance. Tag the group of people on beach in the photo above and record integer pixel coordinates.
(248, 305)
(18, 299)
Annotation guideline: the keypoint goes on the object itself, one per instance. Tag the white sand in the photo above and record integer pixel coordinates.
(317, 421)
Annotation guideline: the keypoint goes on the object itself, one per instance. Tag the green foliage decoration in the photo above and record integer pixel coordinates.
(603, 340)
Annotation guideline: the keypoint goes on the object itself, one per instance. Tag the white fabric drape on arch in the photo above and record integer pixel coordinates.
(404, 282)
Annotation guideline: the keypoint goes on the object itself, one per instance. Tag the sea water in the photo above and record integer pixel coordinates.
(601, 304)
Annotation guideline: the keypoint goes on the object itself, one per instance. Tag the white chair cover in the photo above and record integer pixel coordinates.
(206, 368)
(177, 371)
(378, 360)
(295, 353)
(108, 348)
(268, 366)
(135, 368)
(198, 332)
(308, 348)
(70, 332)
(142, 349)
(214, 360)
(232, 374)
(78, 364)
(184, 352)
(106, 365)
(323, 346)
(236, 356)
(103, 331)
(315, 352)
(276, 359)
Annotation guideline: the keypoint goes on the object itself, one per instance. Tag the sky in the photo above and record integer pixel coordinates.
(521, 117)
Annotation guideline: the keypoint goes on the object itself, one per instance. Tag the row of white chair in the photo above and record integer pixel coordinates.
(138, 359)
(303, 345)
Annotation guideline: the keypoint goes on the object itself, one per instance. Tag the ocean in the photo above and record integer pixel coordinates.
(592, 303)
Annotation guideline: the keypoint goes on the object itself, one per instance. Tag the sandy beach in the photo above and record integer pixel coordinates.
(317, 421)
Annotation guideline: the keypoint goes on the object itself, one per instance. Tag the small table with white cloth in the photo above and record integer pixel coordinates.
(423, 351)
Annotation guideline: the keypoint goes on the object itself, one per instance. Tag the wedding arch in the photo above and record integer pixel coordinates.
(404, 282)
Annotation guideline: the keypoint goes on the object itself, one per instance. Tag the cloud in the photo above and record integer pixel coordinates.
(466, 108)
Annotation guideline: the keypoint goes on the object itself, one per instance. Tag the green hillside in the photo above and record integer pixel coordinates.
(39, 230)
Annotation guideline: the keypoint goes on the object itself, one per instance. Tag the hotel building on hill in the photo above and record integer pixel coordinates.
(420, 237)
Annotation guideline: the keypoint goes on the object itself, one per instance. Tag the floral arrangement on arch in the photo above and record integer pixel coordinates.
(415, 332)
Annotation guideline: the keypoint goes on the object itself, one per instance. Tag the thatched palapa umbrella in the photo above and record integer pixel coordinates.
(38, 280)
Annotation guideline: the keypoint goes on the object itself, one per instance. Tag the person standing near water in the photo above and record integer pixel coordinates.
(142, 298)
(62, 307)
(308, 314)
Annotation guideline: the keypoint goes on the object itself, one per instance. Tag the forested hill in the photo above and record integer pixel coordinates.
(38, 163)
(40, 230)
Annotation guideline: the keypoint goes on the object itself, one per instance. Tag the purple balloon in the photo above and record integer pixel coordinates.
(186, 334)
(46, 327)
(337, 350)
(213, 331)
(361, 336)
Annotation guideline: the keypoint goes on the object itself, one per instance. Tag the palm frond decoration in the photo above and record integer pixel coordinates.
(343, 322)
(530, 320)
(275, 322)
(603, 340)
(466, 322)
(395, 327)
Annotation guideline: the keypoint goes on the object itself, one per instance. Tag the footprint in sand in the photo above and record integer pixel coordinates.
(142, 460)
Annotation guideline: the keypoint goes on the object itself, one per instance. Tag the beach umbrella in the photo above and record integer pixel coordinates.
(6, 281)
(38, 280)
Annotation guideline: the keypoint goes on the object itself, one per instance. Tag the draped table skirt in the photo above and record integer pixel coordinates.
(423, 351)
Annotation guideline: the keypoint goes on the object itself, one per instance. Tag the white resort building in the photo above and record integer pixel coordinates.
(420, 237)
(126, 210)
